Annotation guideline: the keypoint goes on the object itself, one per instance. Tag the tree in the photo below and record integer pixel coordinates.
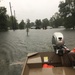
(8, 22)
(45, 23)
(31, 24)
(22, 25)
(56, 20)
(38, 24)
(3, 19)
(67, 11)
(64, 10)
(13, 24)
(52, 21)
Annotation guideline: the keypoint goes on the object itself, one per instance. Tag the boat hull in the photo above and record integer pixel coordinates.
(34, 64)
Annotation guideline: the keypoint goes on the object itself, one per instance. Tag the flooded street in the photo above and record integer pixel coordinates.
(16, 44)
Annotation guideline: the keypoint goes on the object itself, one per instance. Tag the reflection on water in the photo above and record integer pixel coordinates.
(16, 45)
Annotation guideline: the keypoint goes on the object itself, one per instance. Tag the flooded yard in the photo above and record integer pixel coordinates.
(14, 46)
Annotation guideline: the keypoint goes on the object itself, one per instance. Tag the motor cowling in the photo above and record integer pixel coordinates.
(58, 39)
(58, 43)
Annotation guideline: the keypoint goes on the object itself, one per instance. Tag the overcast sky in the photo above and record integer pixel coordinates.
(32, 9)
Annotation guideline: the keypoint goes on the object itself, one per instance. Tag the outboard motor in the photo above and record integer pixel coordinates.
(58, 43)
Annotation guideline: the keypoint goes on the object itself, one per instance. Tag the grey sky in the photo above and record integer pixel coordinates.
(32, 9)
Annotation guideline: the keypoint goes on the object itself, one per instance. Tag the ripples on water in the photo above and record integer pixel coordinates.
(16, 44)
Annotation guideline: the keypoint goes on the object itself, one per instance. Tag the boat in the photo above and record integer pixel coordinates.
(49, 63)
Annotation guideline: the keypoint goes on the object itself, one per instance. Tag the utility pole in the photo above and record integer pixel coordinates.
(14, 14)
(11, 16)
(14, 20)
(27, 26)
(10, 8)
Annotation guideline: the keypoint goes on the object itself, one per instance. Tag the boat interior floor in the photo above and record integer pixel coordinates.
(35, 61)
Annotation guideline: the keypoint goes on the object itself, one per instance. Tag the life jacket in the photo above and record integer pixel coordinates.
(73, 50)
(47, 66)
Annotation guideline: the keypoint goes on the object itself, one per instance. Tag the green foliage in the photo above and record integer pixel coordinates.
(56, 20)
(15, 23)
(67, 12)
(52, 22)
(31, 24)
(3, 19)
(45, 23)
(12, 23)
(38, 23)
(64, 9)
(22, 25)
(7, 22)
(66, 15)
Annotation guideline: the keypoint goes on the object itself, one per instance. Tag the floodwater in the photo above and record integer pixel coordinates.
(14, 46)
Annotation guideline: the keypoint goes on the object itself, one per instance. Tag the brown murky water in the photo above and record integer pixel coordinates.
(14, 46)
